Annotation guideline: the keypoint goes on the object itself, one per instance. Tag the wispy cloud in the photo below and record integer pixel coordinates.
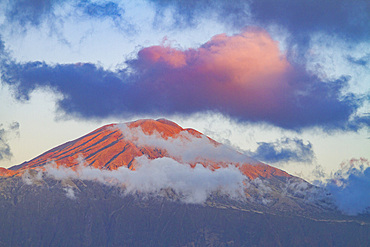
(35, 12)
(5, 151)
(70, 193)
(30, 12)
(22, 15)
(101, 10)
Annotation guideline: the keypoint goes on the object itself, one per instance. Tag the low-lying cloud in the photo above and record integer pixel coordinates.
(185, 146)
(156, 177)
(347, 190)
(192, 185)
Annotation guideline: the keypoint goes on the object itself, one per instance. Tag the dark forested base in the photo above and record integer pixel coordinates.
(100, 215)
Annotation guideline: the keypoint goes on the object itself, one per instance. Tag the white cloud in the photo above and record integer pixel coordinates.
(193, 185)
(32, 176)
(186, 147)
(70, 193)
(261, 189)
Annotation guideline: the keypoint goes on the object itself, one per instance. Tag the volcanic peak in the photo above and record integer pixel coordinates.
(111, 147)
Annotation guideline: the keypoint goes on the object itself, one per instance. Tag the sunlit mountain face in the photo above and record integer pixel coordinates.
(151, 155)
(119, 145)
(154, 183)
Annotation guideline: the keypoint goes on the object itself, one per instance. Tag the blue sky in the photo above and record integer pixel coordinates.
(284, 81)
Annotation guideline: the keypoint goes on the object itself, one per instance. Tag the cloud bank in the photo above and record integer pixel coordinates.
(151, 177)
(347, 190)
(166, 177)
(244, 76)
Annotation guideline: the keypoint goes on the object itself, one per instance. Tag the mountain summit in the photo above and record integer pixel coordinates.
(116, 145)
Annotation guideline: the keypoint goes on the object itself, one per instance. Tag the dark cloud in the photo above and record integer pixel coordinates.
(14, 126)
(346, 18)
(21, 14)
(188, 13)
(243, 76)
(3, 53)
(34, 12)
(88, 90)
(101, 10)
(350, 186)
(284, 150)
(5, 152)
(362, 61)
(106, 10)
(31, 12)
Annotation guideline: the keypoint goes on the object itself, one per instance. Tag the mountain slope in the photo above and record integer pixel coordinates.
(109, 148)
(117, 146)
(77, 201)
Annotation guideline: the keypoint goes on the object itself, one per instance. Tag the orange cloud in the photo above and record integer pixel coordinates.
(160, 54)
(237, 70)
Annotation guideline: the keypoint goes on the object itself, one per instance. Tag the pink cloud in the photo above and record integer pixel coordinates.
(244, 76)
(235, 72)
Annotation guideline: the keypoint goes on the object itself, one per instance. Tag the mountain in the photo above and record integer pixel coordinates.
(109, 148)
(154, 183)
(120, 145)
